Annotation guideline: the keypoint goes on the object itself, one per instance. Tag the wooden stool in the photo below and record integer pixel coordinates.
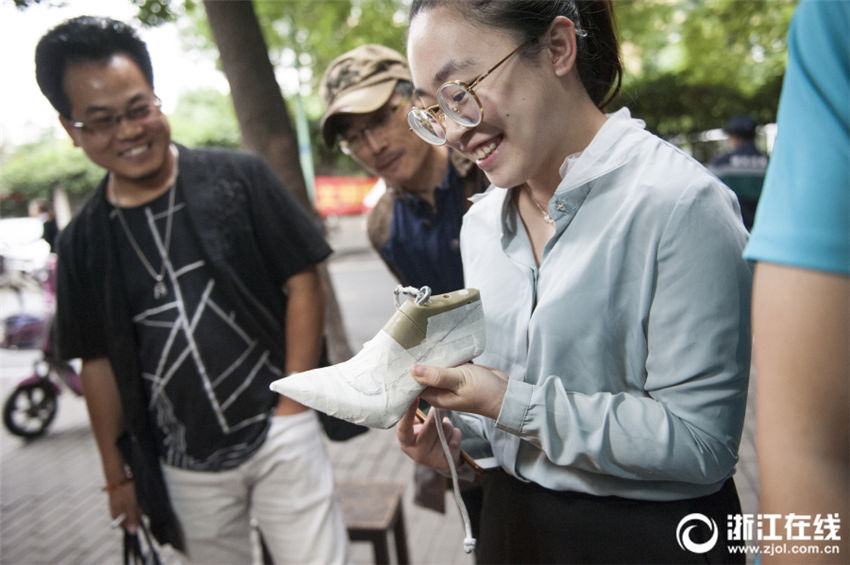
(371, 510)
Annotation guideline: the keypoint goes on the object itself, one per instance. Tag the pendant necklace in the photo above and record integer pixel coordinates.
(160, 289)
(546, 217)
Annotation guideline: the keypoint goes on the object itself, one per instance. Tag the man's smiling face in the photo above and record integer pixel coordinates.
(136, 149)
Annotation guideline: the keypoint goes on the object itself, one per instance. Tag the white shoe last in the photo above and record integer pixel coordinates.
(374, 388)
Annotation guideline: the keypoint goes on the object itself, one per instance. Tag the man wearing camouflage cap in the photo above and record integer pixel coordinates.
(415, 226)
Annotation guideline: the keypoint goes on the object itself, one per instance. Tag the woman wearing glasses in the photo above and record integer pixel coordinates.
(613, 387)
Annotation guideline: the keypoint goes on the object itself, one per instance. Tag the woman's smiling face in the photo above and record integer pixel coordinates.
(512, 143)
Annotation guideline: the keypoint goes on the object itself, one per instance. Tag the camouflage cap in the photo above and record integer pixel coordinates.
(358, 82)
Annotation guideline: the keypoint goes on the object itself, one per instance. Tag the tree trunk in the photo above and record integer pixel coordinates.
(264, 122)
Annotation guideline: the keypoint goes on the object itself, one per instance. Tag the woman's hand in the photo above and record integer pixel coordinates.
(420, 441)
(466, 388)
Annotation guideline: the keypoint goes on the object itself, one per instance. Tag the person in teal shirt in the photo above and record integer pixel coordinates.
(801, 294)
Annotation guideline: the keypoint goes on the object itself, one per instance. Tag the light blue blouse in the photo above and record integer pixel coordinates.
(628, 348)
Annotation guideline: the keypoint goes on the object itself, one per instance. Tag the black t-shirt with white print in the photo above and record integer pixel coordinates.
(206, 379)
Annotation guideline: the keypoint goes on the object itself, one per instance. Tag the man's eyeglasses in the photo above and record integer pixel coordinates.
(107, 124)
(355, 140)
(457, 101)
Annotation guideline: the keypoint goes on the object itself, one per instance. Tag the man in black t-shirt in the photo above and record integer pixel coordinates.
(187, 284)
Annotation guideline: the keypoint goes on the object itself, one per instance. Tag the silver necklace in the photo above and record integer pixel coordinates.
(160, 289)
(546, 217)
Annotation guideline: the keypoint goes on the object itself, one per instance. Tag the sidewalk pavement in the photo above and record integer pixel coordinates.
(54, 512)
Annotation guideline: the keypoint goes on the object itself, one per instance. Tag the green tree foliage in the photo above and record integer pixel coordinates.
(205, 117)
(36, 170)
(690, 65)
(315, 32)
(306, 34)
(156, 12)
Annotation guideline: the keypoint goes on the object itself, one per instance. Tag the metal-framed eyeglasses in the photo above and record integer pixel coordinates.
(107, 124)
(353, 141)
(457, 101)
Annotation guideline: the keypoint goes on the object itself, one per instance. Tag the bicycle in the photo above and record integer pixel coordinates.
(31, 407)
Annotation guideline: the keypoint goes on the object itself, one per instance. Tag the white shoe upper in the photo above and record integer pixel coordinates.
(374, 388)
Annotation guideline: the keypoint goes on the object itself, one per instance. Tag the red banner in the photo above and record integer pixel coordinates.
(341, 196)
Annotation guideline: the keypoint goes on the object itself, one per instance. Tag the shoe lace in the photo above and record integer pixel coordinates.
(469, 540)
(421, 296)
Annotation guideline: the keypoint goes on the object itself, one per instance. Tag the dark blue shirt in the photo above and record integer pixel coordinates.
(424, 242)
(743, 171)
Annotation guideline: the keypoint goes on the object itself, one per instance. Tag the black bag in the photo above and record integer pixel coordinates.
(134, 551)
(139, 454)
(340, 430)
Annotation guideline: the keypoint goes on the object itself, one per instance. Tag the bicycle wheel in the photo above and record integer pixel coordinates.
(30, 409)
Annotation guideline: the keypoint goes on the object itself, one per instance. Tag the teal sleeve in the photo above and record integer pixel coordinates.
(803, 218)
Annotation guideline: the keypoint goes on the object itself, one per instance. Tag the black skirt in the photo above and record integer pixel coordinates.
(526, 523)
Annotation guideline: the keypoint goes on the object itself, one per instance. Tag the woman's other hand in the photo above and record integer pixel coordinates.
(420, 441)
(466, 388)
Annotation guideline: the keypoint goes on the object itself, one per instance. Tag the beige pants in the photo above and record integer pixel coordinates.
(287, 487)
